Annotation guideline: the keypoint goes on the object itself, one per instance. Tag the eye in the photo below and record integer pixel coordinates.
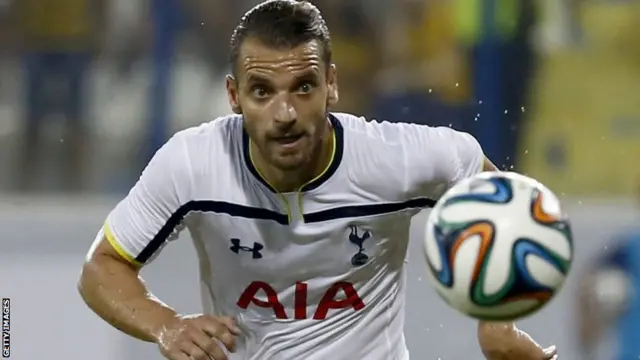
(259, 91)
(305, 87)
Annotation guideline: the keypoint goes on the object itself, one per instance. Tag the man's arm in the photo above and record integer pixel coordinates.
(135, 231)
(504, 341)
(111, 286)
(453, 156)
(109, 282)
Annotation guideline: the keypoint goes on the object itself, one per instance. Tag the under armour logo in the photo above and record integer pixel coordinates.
(360, 258)
(255, 250)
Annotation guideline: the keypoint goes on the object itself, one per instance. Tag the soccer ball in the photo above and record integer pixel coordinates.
(498, 246)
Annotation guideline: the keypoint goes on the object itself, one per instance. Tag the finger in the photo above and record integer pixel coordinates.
(216, 352)
(228, 340)
(550, 352)
(178, 356)
(218, 330)
(195, 353)
(207, 344)
(231, 324)
(174, 354)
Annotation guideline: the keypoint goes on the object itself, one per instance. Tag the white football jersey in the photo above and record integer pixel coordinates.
(315, 274)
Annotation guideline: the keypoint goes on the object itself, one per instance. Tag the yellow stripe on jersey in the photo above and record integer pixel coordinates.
(481, 169)
(116, 246)
(299, 192)
(282, 198)
(333, 156)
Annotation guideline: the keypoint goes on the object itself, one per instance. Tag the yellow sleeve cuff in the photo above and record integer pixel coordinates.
(117, 247)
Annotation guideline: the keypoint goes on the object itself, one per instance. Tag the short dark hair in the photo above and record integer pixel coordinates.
(282, 24)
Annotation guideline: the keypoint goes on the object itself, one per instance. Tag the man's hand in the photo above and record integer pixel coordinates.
(503, 341)
(198, 338)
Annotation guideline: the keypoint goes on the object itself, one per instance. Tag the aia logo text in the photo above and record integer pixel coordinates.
(341, 295)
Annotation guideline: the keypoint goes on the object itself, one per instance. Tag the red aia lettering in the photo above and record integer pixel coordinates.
(328, 301)
(249, 296)
(300, 301)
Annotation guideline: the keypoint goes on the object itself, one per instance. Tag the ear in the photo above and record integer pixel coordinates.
(232, 94)
(332, 85)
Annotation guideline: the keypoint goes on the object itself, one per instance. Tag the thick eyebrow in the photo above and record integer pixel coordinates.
(307, 75)
(256, 78)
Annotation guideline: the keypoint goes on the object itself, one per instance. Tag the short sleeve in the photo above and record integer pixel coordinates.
(435, 158)
(150, 215)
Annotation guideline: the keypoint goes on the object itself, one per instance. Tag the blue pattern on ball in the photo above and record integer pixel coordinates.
(521, 249)
(444, 242)
(502, 195)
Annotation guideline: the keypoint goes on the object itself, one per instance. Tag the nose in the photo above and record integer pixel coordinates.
(285, 112)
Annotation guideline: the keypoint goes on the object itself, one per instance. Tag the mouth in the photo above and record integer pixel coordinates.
(288, 141)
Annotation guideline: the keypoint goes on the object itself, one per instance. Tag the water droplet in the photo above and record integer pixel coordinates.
(475, 119)
(478, 114)
(579, 202)
(430, 90)
(457, 84)
(201, 23)
(526, 151)
(419, 279)
(522, 109)
(480, 102)
(506, 111)
(450, 125)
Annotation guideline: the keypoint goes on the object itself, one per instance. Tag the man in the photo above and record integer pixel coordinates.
(300, 217)
(608, 299)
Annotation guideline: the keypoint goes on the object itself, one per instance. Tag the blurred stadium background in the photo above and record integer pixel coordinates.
(90, 88)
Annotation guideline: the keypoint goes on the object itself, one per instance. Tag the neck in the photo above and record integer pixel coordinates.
(293, 180)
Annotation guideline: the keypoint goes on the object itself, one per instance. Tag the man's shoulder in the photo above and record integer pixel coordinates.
(215, 141)
(374, 156)
(363, 130)
(382, 131)
(374, 144)
(357, 122)
(220, 126)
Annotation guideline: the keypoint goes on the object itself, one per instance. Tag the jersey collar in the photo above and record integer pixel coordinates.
(336, 159)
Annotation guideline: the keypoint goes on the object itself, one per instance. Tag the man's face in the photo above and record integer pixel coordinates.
(283, 96)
